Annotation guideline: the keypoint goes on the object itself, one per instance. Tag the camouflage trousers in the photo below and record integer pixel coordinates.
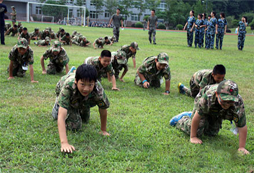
(194, 89)
(209, 126)
(116, 31)
(241, 39)
(210, 40)
(156, 83)
(202, 36)
(219, 38)
(53, 68)
(75, 117)
(17, 70)
(118, 67)
(198, 38)
(152, 31)
(189, 38)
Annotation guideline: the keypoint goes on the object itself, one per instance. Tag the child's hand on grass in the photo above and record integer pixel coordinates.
(9, 78)
(67, 148)
(195, 140)
(115, 89)
(44, 72)
(243, 150)
(104, 133)
(33, 81)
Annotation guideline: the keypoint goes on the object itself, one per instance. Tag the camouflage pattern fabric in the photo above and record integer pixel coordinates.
(13, 18)
(67, 40)
(99, 43)
(7, 26)
(102, 71)
(241, 35)
(151, 74)
(34, 34)
(198, 33)
(221, 28)
(56, 63)
(128, 52)
(76, 40)
(212, 114)
(42, 43)
(13, 31)
(20, 28)
(116, 32)
(78, 106)
(191, 21)
(26, 36)
(20, 60)
(44, 35)
(83, 43)
(119, 62)
(212, 24)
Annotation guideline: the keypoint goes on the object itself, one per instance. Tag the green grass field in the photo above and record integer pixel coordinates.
(138, 119)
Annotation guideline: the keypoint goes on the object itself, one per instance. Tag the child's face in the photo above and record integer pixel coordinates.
(22, 51)
(25, 31)
(212, 14)
(68, 36)
(199, 17)
(47, 42)
(243, 18)
(160, 66)
(209, 18)
(218, 77)
(132, 50)
(191, 13)
(37, 31)
(224, 104)
(55, 53)
(105, 61)
(85, 87)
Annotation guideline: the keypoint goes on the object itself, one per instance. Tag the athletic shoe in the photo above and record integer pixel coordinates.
(71, 70)
(176, 118)
(180, 87)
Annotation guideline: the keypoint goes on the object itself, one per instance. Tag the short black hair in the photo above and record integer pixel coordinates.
(67, 34)
(192, 12)
(245, 18)
(62, 30)
(15, 26)
(200, 15)
(105, 38)
(86, 72)
(222, 14)
(219, 69)
(214, 13)
(153, 10)
(105, 53)
(36, 29)
(119, 9)
(209, 16)
(25, 29)
(204, 14)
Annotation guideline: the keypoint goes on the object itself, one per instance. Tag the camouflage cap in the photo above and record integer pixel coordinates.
(121, 57)
(163, 58)
(228, 90)
(134, 45)
(12, 6)
(74, 32)
(19, 22)
(47, 39)
(60, 28)
(56, 47)
(83, 37)
(22, 43)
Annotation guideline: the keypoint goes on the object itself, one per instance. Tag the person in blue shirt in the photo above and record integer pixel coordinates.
(198, 31)
(208, 32)
(3, 10)
(203, 28)
(241, 31)
(190, 28)
(222, 28)
(213, 26)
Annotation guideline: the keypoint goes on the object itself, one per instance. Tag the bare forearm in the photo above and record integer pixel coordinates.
(103, 117)
(11, 69)
(42, 64)
(242, 136)
(195, 124)
(113, 81)
(61, 125)
(141, 76)
(134, 62)
(123, 74)
(67, 68)
(31, 70)
(167, 85)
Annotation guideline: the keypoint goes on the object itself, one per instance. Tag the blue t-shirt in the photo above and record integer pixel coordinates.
(213, 22)
(191, 21)
(3, 9)
(221, 24)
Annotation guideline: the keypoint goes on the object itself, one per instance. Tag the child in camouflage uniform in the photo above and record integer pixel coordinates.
(25, 34)
(20, 57)
(45, 33)
(58, 59)
(202, 78)
(77, 39)
(13, 15)
(241, 32)
(119, 62)
(66, 39)
(152, 70)
(76, 94)
(130, 51)
(84, 42)
(99, 42)
(103, 66)
(214, 104)
(42, 43)
(13, 30)
(36, 34)
(20, 27)
(74, 34)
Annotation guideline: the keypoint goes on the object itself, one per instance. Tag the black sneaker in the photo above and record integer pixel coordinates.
(154, 43)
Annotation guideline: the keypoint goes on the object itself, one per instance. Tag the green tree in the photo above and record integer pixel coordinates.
(57, 12)
(141, 6)
(98, 5)
(111, 6)
(125, 6)
(153, 4)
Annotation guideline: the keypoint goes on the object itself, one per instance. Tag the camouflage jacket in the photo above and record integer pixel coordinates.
(149, 70)
(99, 44)
(34, 34)
(44, 35)
(15, 15)
(203, 78)
(70, 97)
(27, 58)
(83, 43)
(61, 59)
(242, 27)
(26, 36)
(126, 49)
(221, 25)
(191, 21)
(100, 69)
(64, 38)
(42, 43)
(206, 104)
(13, 31)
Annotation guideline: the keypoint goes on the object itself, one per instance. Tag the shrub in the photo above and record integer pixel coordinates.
(179, 27)
(252, 25)
(138, 25)
(161, 26)
(235, 23)
(230, 20)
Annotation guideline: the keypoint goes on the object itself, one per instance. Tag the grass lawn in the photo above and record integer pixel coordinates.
(138, 119)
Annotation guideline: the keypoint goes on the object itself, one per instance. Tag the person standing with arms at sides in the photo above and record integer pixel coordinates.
(151, 26)
(241, 31)
(190, 27)
(117, 21)
(203, 28)
(198, 35)
(3, 9)
(214, 28)
(13, 14)
(222, 28)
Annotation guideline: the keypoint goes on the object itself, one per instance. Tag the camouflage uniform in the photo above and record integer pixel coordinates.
(241, 35)
(26, 36)
(45, 33)
(77, 39)
(211, 112)
(191, 21)
(198, 33)
(150, 72)
(119, 62)
(116, 21)
(43, 42)
(212, 24)
(208, 35)
(7, 26)
(78, 106)
(152, 28)
(58, 32)
(62, 34)
(112, 39)
(74, 34)
(13, 31)
(34, 34)
(102, 71)
(83, 43)
(99, 44)
(200, 79)
(56, 63)
(221, 28)
(13, 18)
(203, 32)
(20, 60)
(66, 40)
(20, 28)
